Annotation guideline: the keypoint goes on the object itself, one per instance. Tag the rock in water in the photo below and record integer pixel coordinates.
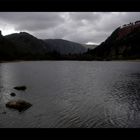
(13, 94)
(20, 88)
(19, 105)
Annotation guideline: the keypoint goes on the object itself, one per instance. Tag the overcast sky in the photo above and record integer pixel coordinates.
(82, 27)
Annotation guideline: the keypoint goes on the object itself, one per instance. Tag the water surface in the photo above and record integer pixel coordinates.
(72, 94)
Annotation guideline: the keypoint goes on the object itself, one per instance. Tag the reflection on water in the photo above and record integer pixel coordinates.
(72, 94)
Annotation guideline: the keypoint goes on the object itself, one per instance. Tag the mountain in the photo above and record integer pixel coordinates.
(27, 44)
(123, 43)
(64, 47)
(24, 46)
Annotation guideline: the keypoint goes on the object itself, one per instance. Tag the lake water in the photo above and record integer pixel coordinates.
(72, 94)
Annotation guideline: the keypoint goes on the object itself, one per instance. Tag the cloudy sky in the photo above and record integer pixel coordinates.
(82, 27)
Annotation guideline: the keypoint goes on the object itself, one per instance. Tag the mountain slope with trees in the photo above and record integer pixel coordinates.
(64, 47)
(23, 46)
(123, 43)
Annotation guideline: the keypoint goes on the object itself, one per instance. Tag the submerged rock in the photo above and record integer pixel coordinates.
(13, 94)
(20, 88)
(19, 105)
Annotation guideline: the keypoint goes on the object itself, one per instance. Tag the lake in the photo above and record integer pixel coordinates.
(75, 94)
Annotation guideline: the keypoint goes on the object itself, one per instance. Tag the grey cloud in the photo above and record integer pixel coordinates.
(80, 27)
(32, 21)
(93, 16)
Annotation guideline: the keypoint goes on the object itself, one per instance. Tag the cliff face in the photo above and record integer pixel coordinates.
(124, 43)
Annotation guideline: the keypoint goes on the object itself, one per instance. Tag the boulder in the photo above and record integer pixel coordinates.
(19, 105)
(20, 88)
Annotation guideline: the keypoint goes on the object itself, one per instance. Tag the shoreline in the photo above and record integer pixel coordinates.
(138, 60)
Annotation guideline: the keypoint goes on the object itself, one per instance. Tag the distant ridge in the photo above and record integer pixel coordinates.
(64, 47)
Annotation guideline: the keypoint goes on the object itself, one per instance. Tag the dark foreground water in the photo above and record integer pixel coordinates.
(72, 94)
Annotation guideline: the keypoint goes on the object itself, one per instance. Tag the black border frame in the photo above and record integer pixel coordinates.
(69, 6)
